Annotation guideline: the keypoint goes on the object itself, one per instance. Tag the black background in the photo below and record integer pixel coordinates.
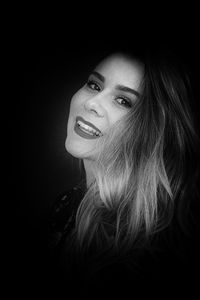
(51, 64)
(49, 57)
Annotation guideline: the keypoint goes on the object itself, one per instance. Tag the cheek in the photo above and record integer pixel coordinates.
(74, 107)
(115, 115)
(73, 104)
(78, 98)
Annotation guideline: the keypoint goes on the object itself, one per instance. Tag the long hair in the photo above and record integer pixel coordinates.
(145, 167)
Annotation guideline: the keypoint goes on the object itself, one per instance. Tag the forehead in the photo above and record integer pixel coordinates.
(120, 69)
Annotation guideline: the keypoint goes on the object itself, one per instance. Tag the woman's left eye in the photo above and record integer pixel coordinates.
(123, 101)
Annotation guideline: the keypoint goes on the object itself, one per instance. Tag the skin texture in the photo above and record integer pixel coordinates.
(102, 103)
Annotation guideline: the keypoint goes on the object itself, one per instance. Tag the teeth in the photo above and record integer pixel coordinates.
(88, 128)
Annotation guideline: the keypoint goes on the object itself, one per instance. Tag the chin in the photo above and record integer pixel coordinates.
(74, 150)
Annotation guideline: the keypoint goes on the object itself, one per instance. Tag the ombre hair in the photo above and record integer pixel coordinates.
(145, 167)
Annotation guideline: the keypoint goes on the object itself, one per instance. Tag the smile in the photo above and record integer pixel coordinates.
(86, 129)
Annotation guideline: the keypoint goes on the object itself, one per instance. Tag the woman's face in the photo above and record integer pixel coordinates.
(107, 96)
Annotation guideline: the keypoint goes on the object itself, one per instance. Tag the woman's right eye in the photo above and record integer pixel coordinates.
(93, 85)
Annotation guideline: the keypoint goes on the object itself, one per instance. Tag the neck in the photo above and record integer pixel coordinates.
(88, 170)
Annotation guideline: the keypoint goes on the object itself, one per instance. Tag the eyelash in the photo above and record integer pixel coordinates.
(92, 82)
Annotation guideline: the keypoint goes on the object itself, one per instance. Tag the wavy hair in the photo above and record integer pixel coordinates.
(146, 165)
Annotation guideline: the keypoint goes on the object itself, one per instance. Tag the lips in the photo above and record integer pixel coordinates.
(78, 118)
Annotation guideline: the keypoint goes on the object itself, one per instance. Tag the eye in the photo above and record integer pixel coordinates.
(93, 85)
(123, 101)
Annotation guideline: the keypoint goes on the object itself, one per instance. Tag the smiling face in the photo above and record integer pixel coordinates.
(107, 96)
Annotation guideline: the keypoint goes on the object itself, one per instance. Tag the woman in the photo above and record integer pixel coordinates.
(131, 126)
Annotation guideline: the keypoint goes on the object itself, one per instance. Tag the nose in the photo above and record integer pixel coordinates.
(93, 105)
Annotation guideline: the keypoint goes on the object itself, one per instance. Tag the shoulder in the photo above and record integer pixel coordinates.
(67, 202)
(63, 213)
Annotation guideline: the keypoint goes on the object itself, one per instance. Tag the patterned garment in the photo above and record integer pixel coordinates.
(63, 215)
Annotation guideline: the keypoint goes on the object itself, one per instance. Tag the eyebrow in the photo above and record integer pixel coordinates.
(98, 75)
(118, 87)
(127, 89)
